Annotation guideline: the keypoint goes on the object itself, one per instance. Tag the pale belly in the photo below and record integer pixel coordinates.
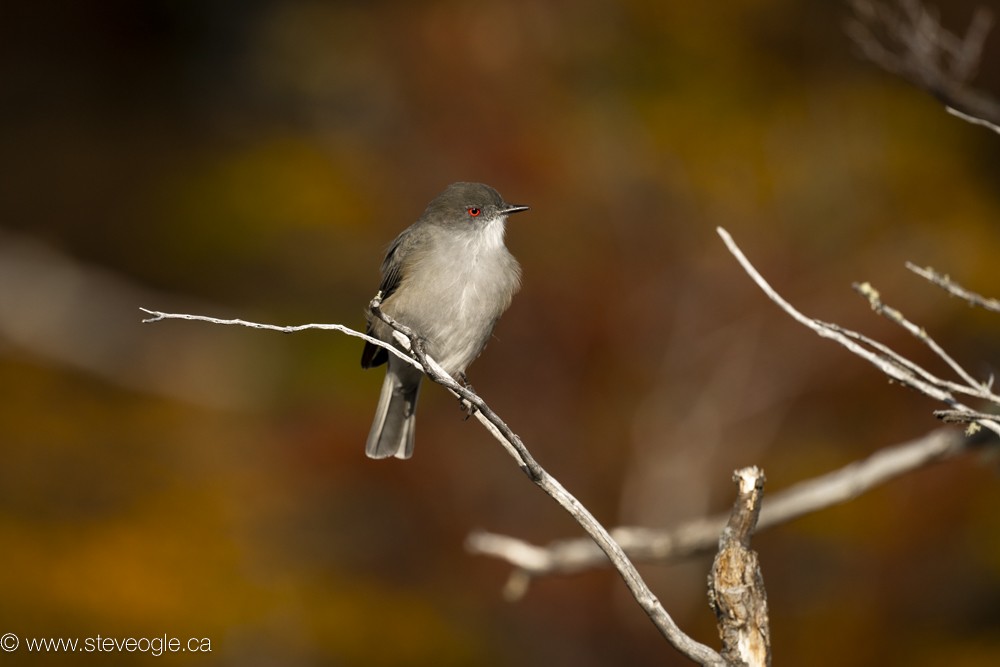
(456, 310)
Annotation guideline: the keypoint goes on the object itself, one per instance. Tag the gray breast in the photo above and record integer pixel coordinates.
(460, 295)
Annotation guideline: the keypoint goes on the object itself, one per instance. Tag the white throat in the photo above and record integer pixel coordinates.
(490, 237)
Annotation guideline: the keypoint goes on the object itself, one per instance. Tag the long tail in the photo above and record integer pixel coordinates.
(395, 416)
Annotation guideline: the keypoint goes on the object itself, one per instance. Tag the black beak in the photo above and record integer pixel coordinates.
(514, 208)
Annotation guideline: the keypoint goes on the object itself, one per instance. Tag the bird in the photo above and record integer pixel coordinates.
(448, 277)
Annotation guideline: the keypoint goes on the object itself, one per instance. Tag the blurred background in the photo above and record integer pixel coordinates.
(253, 159)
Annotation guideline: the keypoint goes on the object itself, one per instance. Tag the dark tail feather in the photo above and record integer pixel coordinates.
(395, 416)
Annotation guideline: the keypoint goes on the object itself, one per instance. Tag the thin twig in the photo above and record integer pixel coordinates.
(954, 288)
(887, 364)
(973, 419)
(894, 315)
(157, 316)
(968, 118)
(911, 366)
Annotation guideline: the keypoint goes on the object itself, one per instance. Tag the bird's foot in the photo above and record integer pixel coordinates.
(467, 407)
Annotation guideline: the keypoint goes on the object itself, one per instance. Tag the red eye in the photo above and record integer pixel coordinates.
(474, 212)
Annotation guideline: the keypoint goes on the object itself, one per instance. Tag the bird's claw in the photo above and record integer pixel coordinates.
(464, 403)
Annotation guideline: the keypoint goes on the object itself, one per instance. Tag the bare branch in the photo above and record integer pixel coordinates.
(890, 363)
(736, 586)
(910, 366)
(694, 650)
(158, 316)
(700, 536)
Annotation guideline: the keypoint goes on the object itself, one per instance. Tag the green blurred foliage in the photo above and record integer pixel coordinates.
(260, 156)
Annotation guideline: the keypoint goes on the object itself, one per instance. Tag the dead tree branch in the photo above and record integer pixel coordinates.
(613, 552)
(969, 385)
(700, 536)
(736, 585)
(907, 39)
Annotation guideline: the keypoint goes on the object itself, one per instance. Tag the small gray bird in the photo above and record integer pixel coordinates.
(449, 277)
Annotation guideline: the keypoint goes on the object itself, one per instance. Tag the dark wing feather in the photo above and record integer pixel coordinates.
(373, 355)
(391, 274)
